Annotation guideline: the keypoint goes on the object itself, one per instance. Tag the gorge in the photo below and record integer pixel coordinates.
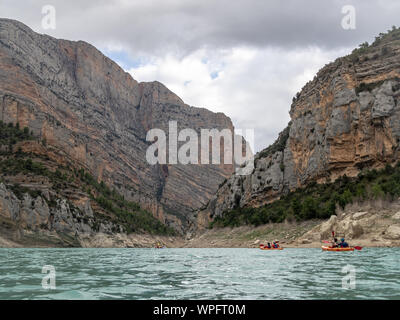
(73, 148)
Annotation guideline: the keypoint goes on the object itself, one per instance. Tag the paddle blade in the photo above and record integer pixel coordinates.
(326, 241)
(358, 248)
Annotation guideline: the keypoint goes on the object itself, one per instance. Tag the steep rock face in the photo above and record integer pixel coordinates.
(97, 116)
(346, 119)
(34, 214)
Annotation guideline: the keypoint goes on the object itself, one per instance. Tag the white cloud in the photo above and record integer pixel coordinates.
(254, 86)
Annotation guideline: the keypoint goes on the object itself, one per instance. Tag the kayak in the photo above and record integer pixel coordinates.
(271, 248)
(324, 248)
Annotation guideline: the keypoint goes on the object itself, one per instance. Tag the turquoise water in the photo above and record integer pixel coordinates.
(199, 274)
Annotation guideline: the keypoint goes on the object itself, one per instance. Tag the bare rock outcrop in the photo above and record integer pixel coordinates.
(371, 223)
(392, 232)
(35, 215)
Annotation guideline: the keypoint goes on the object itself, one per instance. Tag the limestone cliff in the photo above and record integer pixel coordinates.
(96, 116)
(345, 119)
(34, 214)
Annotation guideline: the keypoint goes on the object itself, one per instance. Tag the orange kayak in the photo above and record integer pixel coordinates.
(337, 249)
(271, 248)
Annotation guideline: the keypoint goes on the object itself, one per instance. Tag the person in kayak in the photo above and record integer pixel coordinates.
(343, 244)
(269, 245)
(334, 243)
(275, 244)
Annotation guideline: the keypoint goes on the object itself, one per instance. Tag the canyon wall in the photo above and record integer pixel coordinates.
(96, 115)
(346, 119)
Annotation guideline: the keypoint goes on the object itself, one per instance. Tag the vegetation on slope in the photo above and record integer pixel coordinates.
(278, 145)
(318, 200)
(378, 48)
(13, 162)
(10, 135)
(128, 213)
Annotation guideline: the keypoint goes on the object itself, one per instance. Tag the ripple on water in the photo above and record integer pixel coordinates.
(199, 274)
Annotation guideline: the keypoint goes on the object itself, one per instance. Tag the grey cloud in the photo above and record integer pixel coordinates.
(181, 27)
(156, 28)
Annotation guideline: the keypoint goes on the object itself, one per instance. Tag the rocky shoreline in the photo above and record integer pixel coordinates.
(371, 224)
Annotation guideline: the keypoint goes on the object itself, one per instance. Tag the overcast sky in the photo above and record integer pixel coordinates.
(244, 58)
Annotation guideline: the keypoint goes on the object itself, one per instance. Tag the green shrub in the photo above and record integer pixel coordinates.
(10, 135)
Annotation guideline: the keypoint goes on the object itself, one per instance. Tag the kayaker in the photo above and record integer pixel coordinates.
(275, 244)
(334, 243)
(343, 244)
(269, 245)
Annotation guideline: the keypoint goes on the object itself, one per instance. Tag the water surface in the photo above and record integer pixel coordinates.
(199, 274)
